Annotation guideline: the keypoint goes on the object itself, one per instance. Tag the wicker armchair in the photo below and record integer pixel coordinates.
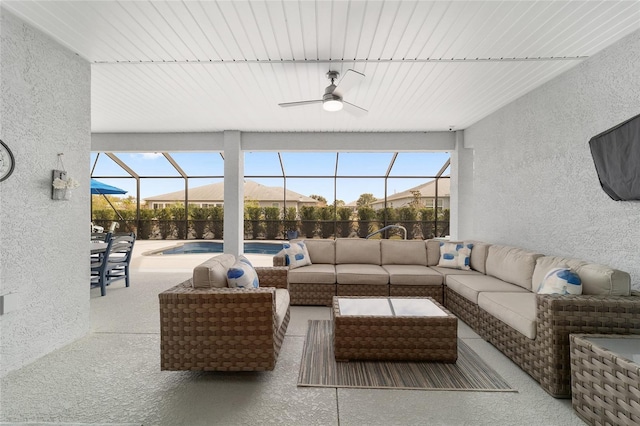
(224, 329)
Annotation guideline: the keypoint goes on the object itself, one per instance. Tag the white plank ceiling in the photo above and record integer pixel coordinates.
(172, 66)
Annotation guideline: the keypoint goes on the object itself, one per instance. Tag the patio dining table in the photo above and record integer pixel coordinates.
(99, 247)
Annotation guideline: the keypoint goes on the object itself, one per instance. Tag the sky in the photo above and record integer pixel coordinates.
(409, 169)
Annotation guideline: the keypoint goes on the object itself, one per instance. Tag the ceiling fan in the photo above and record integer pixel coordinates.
(333, 94)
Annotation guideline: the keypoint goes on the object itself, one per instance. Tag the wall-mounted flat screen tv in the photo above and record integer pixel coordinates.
(616, 154)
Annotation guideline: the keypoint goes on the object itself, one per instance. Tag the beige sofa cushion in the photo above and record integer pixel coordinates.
(282, 304)
(412, 275)
(511, 264)
(357, 250)
(433, 252)
(596, 279)
(318, 273)
(403, 252)
(517, 310)
(603, 280)
(361, 274)
(213, 272)
(479, 255)
(470, 286)
(321, 250)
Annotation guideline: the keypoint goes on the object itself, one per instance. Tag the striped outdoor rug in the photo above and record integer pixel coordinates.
(318, 368)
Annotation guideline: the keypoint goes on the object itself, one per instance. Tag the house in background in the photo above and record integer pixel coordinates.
(425, 194)
(212, 195)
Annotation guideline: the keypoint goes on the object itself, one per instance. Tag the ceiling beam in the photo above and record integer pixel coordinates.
(157, 142)
(277, 141)
(349, 141)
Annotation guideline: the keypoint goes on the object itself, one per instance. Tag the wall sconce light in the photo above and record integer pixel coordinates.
(61, 184)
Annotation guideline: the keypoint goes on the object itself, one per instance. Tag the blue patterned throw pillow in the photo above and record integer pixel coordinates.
(455, 255)
(296, 254)
(242, 275)
(243, 258)
(560, 281)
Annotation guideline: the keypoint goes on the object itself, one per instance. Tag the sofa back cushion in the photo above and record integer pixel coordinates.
(433, 252)
(213, 272)
(596, 279)
(511, 264)
(479, 255)
(357, 250)
(604, 280)
(321, 250)
(403, 252)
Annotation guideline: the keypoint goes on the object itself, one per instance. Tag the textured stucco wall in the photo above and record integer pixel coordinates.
(534, 182)
(45, 110)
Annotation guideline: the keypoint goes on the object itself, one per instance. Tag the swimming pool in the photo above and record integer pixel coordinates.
(216, 247)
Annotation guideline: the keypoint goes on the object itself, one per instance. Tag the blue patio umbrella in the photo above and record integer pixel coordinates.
(104, 189)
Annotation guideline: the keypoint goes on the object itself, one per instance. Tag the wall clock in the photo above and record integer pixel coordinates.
(7, 162)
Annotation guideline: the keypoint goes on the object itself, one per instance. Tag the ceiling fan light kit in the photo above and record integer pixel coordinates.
(332, 105)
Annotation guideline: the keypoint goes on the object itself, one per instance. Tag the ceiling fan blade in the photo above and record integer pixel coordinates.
(350, 79)
(300, 103)
(354, 109)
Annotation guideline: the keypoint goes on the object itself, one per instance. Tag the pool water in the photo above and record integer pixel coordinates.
(216, 247)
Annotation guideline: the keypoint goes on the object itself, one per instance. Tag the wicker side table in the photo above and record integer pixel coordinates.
(605, 381)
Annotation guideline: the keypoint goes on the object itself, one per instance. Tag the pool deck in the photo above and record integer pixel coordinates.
(179, 262)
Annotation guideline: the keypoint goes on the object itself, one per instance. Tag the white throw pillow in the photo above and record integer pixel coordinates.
(243, 258)
(560, 281)
(242, 275)
(297, 254)
(455, 255)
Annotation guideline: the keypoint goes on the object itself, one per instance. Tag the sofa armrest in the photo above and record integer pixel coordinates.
(279, 260)
(185, 290)
(589, 314)
(560, 315)
(217, 303)
(272, 276)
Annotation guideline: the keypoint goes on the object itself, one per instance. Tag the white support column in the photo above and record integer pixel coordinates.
(454, 207)
(461, 218)
(233, 193)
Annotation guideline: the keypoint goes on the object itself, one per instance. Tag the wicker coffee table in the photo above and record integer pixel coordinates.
(605, 378)
(393, 329)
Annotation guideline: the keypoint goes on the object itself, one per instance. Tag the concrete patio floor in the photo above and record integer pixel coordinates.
(112, 376)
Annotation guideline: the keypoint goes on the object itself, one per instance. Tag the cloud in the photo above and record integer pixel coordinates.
(149, 155)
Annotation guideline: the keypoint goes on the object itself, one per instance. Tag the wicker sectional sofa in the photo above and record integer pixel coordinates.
(497, 297)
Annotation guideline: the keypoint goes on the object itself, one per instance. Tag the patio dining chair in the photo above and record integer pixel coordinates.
(114, 264)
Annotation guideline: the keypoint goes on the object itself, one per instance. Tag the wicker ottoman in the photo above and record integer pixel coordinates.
(393, 329)
(605, 382)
